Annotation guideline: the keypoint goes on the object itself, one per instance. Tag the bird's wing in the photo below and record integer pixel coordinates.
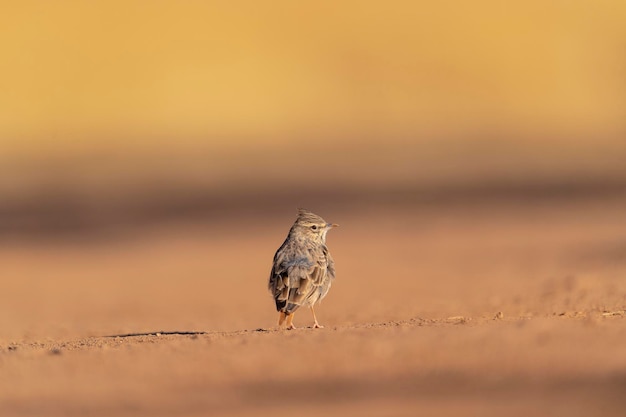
(279, 283)
(297, 281)
(303, 281)
(330, 263)
(329, 276)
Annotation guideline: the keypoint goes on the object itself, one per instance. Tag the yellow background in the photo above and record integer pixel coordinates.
(213, 70)
(494, 84)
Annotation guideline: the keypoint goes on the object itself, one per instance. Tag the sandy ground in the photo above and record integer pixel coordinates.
(481, 309)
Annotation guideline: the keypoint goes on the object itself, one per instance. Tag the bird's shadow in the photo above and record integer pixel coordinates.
(157, 333)
(183, 333)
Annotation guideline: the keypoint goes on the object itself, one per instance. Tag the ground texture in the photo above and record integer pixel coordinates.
(490, 308)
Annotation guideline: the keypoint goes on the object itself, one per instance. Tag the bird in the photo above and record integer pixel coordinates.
(303, 269)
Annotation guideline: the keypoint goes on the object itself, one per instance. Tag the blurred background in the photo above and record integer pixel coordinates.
(153, 155)
(176, 140)
(127, 112)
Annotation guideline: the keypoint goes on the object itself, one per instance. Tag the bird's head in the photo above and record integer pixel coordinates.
(312, 226)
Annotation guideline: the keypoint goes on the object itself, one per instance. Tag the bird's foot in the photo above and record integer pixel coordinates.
(281, 318)
(289, 323)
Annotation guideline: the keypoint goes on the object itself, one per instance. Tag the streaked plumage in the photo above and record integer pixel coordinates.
(303, 269)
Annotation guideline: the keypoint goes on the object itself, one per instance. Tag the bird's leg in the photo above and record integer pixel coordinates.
(316, 325)
(289, 323)
(281, 318)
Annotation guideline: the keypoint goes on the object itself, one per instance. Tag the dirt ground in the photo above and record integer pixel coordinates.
(511, 308)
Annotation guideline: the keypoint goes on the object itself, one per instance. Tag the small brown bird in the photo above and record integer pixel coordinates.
(303, 269)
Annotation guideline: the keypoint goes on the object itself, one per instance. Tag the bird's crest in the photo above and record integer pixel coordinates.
(305, 215)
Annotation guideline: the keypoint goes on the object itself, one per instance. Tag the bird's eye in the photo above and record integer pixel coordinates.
(314, 227)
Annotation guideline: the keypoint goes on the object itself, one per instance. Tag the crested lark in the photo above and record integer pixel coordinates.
(303, 269)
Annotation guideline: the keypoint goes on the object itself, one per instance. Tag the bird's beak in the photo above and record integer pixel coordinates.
(331, 225)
